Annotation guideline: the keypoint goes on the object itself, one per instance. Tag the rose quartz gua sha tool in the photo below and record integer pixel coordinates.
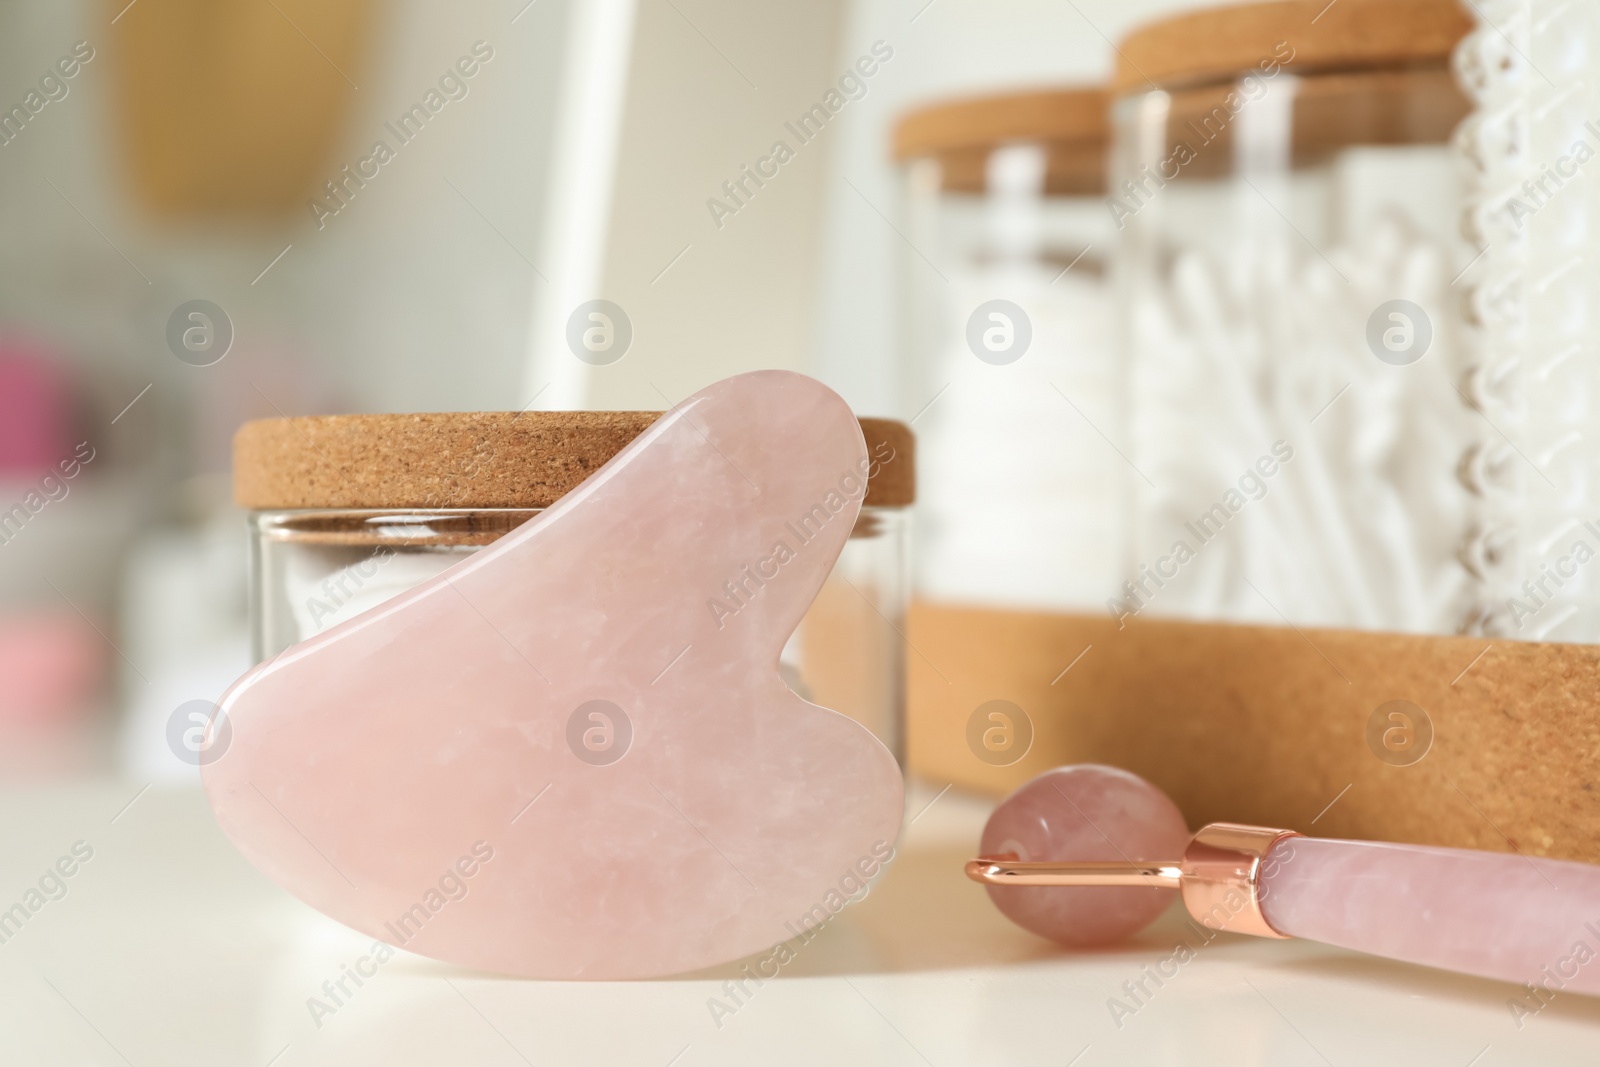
(1087, 855)
(571, 755)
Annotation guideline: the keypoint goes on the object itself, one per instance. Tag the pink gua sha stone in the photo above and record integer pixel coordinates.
(415, 772)
(1085, 812)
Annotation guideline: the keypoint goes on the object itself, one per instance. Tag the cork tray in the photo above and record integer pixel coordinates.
(1272, 725)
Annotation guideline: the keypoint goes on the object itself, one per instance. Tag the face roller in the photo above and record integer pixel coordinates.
(1087, 855)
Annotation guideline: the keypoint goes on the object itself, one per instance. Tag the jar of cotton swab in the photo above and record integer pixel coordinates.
(1288, 209)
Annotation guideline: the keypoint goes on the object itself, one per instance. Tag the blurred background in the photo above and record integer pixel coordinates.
(214, 212)
(1250, 350)
(181, 159)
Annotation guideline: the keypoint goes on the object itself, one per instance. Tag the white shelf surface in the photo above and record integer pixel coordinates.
(168, 949)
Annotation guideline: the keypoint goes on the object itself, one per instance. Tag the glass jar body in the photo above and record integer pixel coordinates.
(1012, 374)
(314, 568)
(1293, 349)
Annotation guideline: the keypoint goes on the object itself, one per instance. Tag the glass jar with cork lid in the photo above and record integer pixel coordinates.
(1289, 212)
(347, 511)
(1008, 349)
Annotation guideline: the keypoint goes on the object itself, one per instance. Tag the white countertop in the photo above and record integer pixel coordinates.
(168, 949)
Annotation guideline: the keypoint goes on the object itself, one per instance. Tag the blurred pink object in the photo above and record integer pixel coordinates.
(571, 755)
(35, 409)
(51, 666)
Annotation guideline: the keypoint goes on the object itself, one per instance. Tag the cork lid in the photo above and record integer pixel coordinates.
(1220, 43)
(494, 459)
(1070, 123)
(1331, 113)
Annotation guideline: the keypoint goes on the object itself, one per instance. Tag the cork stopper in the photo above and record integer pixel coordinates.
(492, 459)
(1070, 124)
(1221, 43)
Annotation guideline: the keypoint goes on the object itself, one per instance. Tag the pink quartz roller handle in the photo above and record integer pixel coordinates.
(1501, 916)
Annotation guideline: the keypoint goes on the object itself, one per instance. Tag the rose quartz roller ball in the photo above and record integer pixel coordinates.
(1086, 812)
(1086, 855)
